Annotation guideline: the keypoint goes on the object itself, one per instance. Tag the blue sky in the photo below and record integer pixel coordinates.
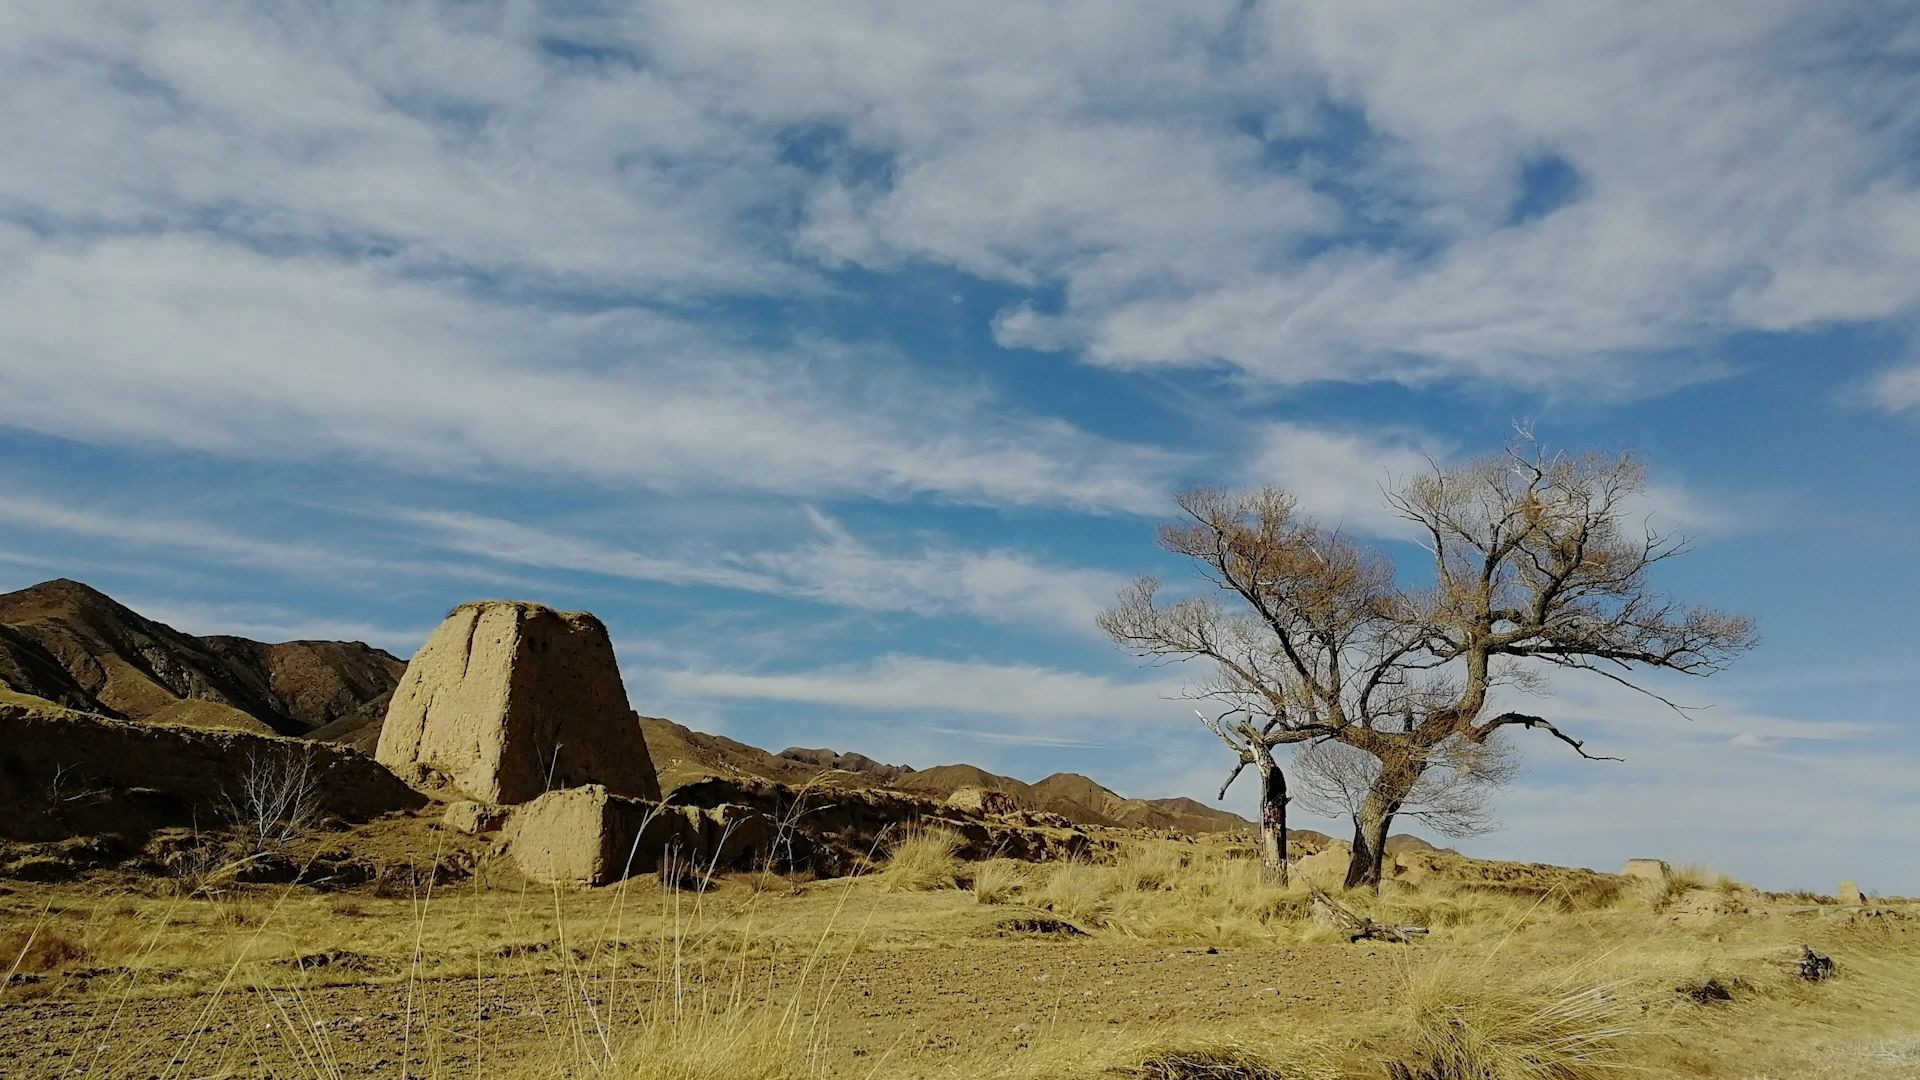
(841, 356)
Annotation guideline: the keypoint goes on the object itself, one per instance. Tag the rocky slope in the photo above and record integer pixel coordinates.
(74, 645)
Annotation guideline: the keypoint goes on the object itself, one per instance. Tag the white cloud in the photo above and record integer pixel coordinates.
(186, 343)
(1049, 701)
(998, 585)
(510, 542)
(440, 137)
(1341, 476)
(144, 530)
(1620, 721)
(1731, 173)
(1897, 390)
(1738, 811)
(272, 623)
(1014, 738)
(1173, 174)
(1728, 787)
(837, 568)
(206, 540)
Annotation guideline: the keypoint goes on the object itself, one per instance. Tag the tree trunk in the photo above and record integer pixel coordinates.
(1371, 822)
(1273, 818)
(1370, 825)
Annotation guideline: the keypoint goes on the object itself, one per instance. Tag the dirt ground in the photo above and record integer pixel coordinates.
(945, 970)
(994, 996)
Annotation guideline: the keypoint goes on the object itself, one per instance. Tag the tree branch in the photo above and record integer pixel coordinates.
(1525, 721)
(1231, 777)
(1686, 711)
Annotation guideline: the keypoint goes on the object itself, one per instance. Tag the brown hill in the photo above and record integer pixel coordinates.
(317, 682)
(685, 756)
(944, 780)
(1194, 816)
(1078, 798)
(76, 646)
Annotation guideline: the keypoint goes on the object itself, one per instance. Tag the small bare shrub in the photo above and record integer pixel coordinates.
(205, 866)
(69, 787)
(278, 800)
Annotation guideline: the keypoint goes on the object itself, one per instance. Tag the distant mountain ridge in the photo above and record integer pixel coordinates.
(71, 644)
(1070, 795)
(74, 645)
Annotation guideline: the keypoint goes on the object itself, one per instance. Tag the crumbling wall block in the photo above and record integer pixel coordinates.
(507, 701)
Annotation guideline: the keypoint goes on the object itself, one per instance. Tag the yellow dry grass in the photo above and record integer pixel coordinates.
(1560, 980)
(922, 859)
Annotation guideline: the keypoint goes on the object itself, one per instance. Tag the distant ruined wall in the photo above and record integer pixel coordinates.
(70, 774)
(507, 701)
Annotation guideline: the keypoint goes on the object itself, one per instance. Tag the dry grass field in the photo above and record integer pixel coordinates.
(1170, 960)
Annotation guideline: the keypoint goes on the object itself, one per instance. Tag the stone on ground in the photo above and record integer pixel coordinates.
(507, 701)
(1414, 867)
(589, 836)
(1849, 894)
(1328, 866)
(979, 800)
(467, 816)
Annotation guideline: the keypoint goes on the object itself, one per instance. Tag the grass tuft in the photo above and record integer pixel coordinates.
(1078, 892)
(923, 859)
(1470, 1025)
(38, 951)
(736, 1043)
(1000, 881)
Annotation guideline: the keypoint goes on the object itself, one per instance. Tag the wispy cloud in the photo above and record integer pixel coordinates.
(1342, 475)
(1896, 390)
(193, 344)
(202, 538)
(137, 529)
(836, 568)
(1323, 191)
(507, 541)
(273, 623)
(1043, 697)
(1015, 738)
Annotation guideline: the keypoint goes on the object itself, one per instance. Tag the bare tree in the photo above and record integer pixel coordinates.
(1535, 562)
(1254, 746)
